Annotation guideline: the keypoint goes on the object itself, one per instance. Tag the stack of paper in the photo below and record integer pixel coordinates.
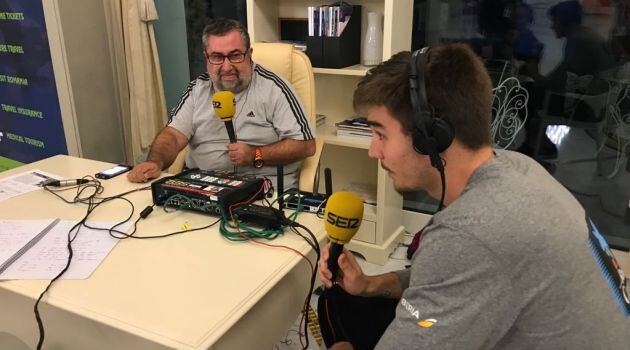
(354, 127)
(320, 119)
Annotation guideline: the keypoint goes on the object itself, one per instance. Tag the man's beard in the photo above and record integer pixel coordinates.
(235, 86)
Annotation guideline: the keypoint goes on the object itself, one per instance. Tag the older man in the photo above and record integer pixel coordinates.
(270, 123)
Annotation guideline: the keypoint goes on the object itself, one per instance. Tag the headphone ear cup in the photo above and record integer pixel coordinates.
(440, 137)
(419, 141)
(442, 132)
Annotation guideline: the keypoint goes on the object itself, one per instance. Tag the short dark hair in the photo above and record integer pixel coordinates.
(457, 84)
(567, 12)
(221, 27)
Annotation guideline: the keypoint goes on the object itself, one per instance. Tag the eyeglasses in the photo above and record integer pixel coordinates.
(234, 57)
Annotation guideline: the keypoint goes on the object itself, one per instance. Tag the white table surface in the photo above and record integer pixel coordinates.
(191, 291)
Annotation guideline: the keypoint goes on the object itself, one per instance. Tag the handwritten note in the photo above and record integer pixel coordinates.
(15, 234)
(49, 256)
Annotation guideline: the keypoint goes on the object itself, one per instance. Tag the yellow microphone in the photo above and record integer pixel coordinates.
(343, 214)
(224, 106)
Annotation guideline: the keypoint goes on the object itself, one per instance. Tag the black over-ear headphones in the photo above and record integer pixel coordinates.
(431, 135)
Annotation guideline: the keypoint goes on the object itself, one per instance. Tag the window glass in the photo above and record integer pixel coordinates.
(572, 59)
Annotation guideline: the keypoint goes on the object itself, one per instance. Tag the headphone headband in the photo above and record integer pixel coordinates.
(421, 60)
(431, 135)
(420, 106)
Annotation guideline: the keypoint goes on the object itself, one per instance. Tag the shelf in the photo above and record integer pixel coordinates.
(328, 133)
(347, 156)
(356, 70)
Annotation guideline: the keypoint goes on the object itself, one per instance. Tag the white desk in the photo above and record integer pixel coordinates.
(190, 291)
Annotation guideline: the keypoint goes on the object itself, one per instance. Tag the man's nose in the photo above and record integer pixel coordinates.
(226, 65)
(374, 150)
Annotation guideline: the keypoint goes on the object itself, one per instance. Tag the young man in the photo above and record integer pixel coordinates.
(506, 265)
(269, 121)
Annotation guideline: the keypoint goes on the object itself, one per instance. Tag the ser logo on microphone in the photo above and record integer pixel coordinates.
(216, 104)
(342, 222)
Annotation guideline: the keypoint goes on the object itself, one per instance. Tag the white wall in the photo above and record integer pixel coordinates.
(84, 72)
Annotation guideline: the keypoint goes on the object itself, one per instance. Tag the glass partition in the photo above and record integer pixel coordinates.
(572, 60)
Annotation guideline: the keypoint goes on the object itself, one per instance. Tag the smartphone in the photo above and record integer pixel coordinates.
(113, 171)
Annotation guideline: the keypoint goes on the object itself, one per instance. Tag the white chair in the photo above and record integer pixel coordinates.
(294, 66)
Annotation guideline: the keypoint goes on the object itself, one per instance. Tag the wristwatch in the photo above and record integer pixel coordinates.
(258, 159)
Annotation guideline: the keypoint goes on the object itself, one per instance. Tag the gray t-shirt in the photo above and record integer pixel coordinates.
(507, 266)
(266, 112)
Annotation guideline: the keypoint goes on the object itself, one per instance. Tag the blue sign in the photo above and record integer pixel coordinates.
(31, 127)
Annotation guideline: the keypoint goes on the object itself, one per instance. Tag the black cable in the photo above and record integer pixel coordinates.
(132, 234)
(601, 202)
(315, 245)
(332, 296)
(92, 184)
(440, 168)
(90, 201)
(93, 202)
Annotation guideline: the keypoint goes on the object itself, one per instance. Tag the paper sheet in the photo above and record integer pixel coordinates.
(24, 183)
(49, 256)
(15, 234)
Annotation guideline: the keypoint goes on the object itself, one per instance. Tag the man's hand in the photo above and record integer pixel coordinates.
(350, 276)
(144, 172)
(240, 153)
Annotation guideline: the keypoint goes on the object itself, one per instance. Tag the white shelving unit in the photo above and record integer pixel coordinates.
(381, 229)
(358, 70)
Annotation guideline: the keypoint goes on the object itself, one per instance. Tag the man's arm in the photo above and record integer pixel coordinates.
(279, 153)
(167, 144)
(383, 286)
(287, 151)
(166, 147)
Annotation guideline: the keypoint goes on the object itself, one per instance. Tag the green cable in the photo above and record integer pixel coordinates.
(226, 227)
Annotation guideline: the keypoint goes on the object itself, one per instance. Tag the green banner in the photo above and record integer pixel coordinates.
(6, 164)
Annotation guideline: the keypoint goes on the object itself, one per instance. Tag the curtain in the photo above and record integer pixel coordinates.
(137, 73)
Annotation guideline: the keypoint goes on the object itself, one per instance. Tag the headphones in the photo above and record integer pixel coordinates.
(431, 135)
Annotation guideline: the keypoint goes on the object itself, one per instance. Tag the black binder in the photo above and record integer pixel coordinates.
(337, 52)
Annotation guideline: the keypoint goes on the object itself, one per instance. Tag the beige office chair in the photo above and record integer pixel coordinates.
(294, 66)
(179, 162)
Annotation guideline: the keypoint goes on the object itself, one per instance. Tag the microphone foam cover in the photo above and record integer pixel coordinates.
(224, 105)
(343, 215)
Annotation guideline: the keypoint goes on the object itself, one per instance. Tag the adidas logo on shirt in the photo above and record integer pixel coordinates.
(251, 114)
